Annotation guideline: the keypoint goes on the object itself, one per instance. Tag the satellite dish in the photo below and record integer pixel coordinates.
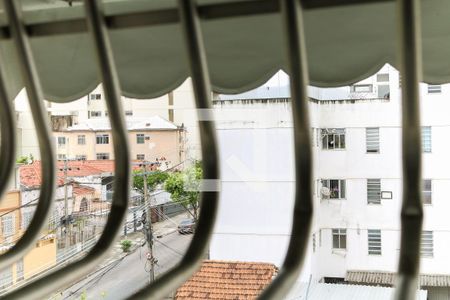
(325, 191)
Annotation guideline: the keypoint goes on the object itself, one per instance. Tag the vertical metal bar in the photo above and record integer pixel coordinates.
(291, 11)
(38, 112)
(42, 287)
(8, 136)
(410, 56)
(190, 262)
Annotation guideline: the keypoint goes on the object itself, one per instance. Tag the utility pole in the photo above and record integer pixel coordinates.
(148, 226)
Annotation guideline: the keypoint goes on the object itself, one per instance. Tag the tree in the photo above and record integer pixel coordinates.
(153, 179)
(185, 188)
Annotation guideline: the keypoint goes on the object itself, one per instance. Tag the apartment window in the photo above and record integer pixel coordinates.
(333, 138)
(81, 139)
(26, 218)
(426, 244)
(6, 278)
(62, 156)
(373, 140)
(434, 89)
(140, 138)
(383, 91)
(106, 113)
(361, 88)
(383, 77)
(339, 238)
(314, 242)
(373, 191)
(426, 191)
(333, 188)
(426, 139)
(102, 138)
(140, 156)
(19, 269)
(61, 141)
(374, 241)
(8, 227)
(95, 96)
(81, 157)
(95, 114)
(102, 156)
(128, 113)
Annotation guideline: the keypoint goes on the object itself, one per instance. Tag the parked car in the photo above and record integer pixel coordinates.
(186, 226)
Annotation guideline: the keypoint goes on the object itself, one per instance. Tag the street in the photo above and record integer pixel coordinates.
(122, 278)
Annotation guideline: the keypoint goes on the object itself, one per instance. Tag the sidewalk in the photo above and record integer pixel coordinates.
(137, 239)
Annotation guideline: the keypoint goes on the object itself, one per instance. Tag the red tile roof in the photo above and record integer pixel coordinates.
(79, 190)
(227, 280)
(30, 175)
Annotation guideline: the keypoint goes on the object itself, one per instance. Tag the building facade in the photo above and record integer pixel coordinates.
(356, 136)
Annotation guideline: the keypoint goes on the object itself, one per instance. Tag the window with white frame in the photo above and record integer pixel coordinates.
(383, 77)
(8, 226)
(102, 138)
(434, 89)
(373, 191)
(19, 269)
(314, 242)
(81, 139)
(140, 156)
(102, 156)
(140, 138)
(95, 114)
(61, 141)
(427, 244)
(62, 156)
(339, 238)
(383, 86)
(426, 191)
(95, 97)
(426, 139)
(333, 188)
(361, 88)
(27, 215)
(373, 140)
(6, 278)
(333, 138)
(374, 241)
(80, 157)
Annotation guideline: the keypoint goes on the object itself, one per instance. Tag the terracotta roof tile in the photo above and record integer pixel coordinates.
(79, 190)
(227, 280)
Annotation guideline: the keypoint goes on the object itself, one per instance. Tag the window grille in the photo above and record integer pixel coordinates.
(373, 140)
(335, 189)
(102, 139)
(374, 241)
(8, 225)
(291, 10)
(373, 191)
(140, 138)
(333, 138)
(81, 139)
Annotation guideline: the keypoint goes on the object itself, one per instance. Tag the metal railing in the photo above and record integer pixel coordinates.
(188, 15)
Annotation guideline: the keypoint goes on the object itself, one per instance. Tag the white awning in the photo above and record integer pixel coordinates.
(388, 278)
(345, 44)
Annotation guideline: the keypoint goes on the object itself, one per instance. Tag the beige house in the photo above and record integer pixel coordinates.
(153, 139)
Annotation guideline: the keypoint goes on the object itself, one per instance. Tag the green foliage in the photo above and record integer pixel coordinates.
(83, 296)
(153, 179)
(184, 187)
(25, 159)
(126, 245)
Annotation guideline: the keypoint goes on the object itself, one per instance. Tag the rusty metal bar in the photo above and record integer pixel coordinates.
(303, 208)
(33, 87)
(41, 287)
(410, 64)
(190, 262)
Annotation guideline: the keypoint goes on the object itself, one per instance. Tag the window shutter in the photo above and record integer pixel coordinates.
(426, 245)
(374, 241)
(426, 139)
(373, 191)
(373, 140)
(434, 89)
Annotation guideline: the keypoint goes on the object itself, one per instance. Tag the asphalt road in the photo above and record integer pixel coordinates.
(121, 279)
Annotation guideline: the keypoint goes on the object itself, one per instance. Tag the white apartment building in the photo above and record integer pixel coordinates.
(177, 106)
(356, 137)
